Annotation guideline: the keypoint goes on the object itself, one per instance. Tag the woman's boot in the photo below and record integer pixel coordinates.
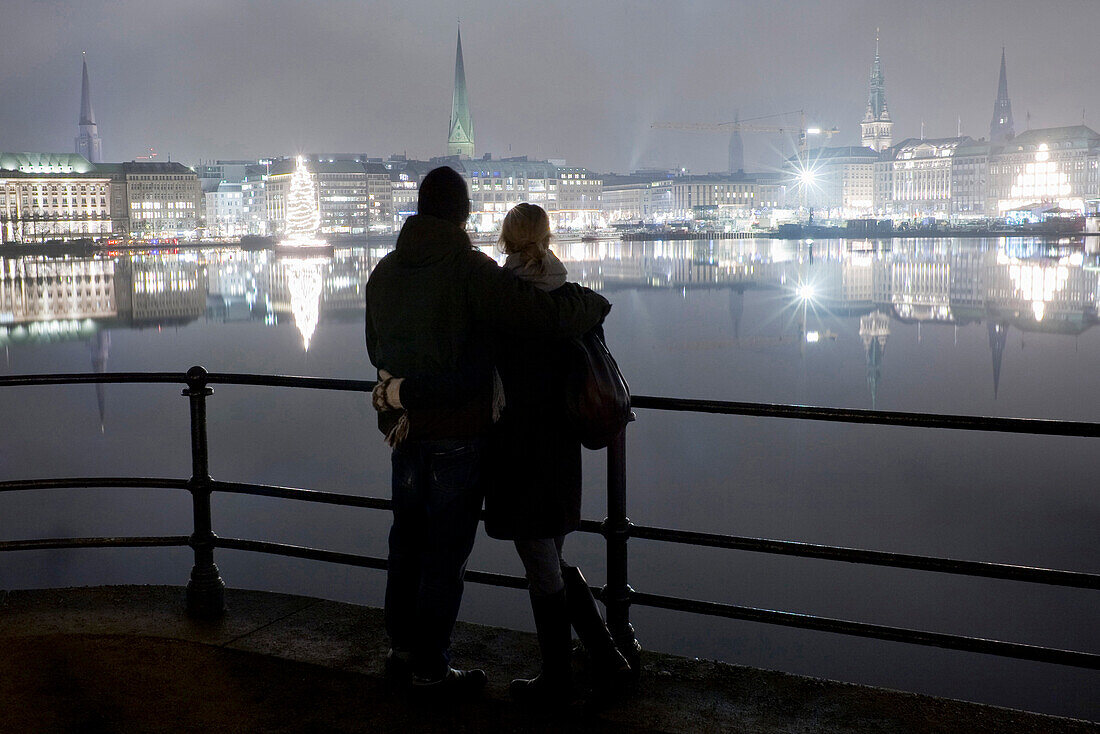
(590, 627)
(554, 685)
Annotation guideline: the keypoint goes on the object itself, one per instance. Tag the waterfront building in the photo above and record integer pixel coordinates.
(712, 197)
(579, 193)
(355, 197)
(970, 181)
(1053, 166)
(460, 138)
(877, 128)
(231, 171)
(838, 181)
(405, 178)
(254, 199)
(225, 211)
(155, 199)
(496, 185)
(921, 173)
(87, 142)
(637, 198)
(1001, 129)
(771, 190)
(52, 196)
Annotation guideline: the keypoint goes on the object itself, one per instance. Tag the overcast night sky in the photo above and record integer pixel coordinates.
(574, 79)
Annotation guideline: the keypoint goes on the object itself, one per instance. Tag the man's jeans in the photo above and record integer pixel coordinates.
(437, 498)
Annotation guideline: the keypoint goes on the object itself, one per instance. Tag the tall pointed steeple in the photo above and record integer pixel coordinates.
(87, 142)
(460, 140)
(1000, 128)
(877, 128)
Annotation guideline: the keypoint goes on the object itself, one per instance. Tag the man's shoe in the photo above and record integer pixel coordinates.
(452, 683)
(543, 690)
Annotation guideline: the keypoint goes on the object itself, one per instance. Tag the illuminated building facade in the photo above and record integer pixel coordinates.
(158, 199)
(838, 181)
(720, 197)
(579, 193)
(921, 174)
(225, 211)
(970, 181)
(52, 196)
(254, 200)
(354, 197)
(1047, 166)
(498, 185)
(638, 199)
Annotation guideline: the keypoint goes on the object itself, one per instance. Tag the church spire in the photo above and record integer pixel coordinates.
(87, 116)
(1001, 128)
(877, 128)
(87, 142)
(460, 140)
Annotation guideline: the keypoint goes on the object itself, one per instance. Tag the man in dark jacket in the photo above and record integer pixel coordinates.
(433, 307)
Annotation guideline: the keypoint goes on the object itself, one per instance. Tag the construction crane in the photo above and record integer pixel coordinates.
(750, 125)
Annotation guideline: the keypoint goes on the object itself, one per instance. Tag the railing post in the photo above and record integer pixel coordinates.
(616, 531)
(205, 597)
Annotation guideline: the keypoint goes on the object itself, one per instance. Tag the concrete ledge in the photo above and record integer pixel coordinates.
(125, 658)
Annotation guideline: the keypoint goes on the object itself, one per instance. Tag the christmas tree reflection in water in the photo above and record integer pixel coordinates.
(304, 280)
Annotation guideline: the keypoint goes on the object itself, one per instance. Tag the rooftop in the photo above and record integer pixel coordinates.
(125, 658)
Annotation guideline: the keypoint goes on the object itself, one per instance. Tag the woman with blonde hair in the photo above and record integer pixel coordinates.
(533, 492)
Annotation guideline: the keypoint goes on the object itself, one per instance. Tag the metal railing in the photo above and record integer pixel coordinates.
(205, 595)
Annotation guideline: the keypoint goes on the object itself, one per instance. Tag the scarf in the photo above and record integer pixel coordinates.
(546, 275)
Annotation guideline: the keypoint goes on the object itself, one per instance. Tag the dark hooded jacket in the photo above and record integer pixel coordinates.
(434, 306)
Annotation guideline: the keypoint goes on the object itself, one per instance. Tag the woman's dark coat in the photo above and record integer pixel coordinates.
(533, 467)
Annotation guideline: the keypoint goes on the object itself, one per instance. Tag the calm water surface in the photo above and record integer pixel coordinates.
(961, 326)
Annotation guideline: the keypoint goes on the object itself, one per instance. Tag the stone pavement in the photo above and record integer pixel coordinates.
(126, 659)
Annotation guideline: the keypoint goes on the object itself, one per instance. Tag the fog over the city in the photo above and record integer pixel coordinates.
(569, 79)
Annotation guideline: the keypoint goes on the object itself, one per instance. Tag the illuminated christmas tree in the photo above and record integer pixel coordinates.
(303, 217)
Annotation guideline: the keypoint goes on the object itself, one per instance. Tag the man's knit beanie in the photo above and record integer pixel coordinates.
(443, 194)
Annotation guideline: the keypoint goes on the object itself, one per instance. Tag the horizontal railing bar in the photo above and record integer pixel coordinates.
(352, 559)
(316, 383)
(304, 495)
(93, 482)
(769, 410)
(299, 551)
(1054, 577)
(123, 542)
(93, 377)
(591, 526)
(863, 629)
(878, 417)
